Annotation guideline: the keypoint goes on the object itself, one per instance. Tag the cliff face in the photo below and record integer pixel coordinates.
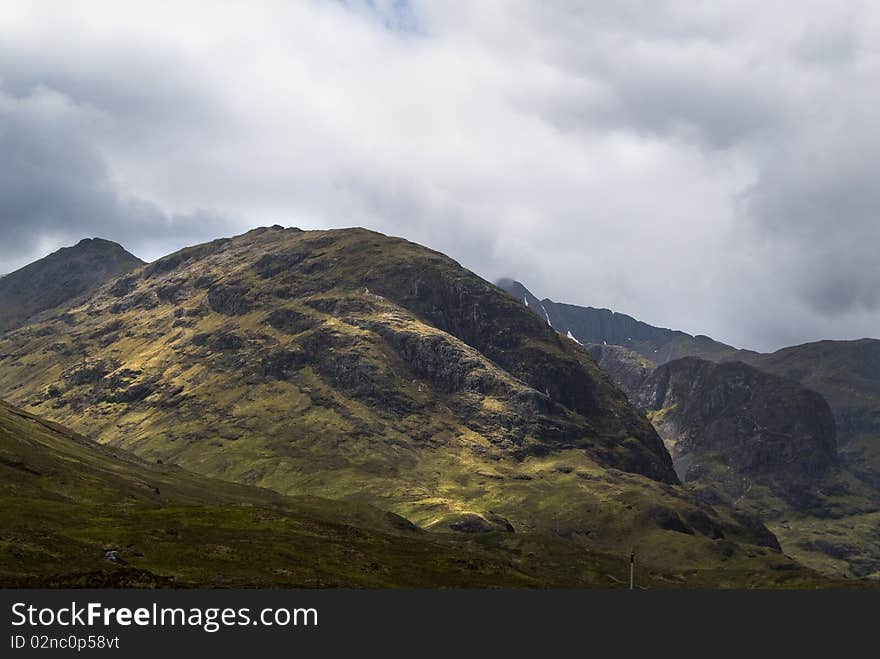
(731, 425)
(758, 425)
(847, 374)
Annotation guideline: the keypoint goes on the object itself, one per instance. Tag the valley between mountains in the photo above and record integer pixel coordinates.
(343, 408)
(792, 436)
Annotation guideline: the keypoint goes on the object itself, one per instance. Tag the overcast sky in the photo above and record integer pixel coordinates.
(710, 166)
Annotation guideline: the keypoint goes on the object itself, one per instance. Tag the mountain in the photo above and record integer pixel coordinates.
(755, 431)
(765, 444)
(62, 276)
(602, 326)
(745, 434)
(847, 374)
(75, 513)
(757, 428)
(358, 367)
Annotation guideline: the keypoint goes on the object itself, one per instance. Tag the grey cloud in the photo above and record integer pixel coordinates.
(706, 166)
(56, 188)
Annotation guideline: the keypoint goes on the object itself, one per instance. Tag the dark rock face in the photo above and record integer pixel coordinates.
(225, 341)
(134, 393)
(434, 358)
(228, 299)
(760, 426)
(143, 300)
(61, 277)
(290, 321)
(123, 286)
(847, 374)
(627, 368)
(282, 364)
(270, 265)
(470, 309)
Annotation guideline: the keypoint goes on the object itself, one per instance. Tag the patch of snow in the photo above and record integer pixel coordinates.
(571, 336)
(525, 302)
(604, 343)
(547, 315)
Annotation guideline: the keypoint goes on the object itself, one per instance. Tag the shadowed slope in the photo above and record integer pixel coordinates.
(62, 276)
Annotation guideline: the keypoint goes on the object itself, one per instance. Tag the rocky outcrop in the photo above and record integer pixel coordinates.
(753, 426)
(847, 374)
(228, 299)
(627, 368)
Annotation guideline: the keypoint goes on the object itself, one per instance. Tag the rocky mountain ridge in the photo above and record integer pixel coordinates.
(749, 433)
(353, 366)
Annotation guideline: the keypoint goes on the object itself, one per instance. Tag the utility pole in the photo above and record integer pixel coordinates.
(632, 569)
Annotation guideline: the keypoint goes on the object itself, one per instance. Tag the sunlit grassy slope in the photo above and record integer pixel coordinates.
(366, 369)
(65, 502)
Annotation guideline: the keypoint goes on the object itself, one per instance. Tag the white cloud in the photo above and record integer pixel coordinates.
(704, 166)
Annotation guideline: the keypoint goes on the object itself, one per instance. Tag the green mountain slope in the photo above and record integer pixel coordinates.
(353, 366)
(75, 513)
(69, 273)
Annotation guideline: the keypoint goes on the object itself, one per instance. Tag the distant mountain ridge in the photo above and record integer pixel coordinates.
(754, 429)
(591, 325)
(62, 276)
(846, 373)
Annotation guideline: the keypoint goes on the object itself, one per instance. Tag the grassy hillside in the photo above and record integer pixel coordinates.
(66, 503)
(357, 367)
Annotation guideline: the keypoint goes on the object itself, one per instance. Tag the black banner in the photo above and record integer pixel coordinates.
(325, 622)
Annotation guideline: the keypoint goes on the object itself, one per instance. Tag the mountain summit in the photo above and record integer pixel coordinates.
(62, 276)
(351, 365)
